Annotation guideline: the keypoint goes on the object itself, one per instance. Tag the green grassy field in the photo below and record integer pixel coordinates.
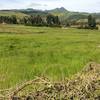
(26, 52)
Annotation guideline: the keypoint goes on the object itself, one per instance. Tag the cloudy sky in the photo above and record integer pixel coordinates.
(71, 5)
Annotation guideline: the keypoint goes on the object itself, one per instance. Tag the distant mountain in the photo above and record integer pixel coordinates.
(72, 16)
(61, 12)
(34, 12)
(29, 10)
(58, 11)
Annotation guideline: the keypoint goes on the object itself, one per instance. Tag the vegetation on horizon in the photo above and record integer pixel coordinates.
(50, 20)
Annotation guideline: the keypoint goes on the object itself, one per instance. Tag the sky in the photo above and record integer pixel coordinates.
(71, 5)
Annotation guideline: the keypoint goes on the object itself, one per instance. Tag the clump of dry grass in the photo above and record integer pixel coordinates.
(83, 86)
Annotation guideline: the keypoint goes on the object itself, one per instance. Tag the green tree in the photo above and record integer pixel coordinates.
(52, 20)
(91, 21)
(49, 19)
(94, 22)
(14, 20)
(38, 20)
(56, 20)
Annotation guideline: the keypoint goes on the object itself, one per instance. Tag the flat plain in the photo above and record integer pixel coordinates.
(56, 53)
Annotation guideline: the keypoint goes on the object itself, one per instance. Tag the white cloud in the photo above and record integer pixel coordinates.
(36, 5)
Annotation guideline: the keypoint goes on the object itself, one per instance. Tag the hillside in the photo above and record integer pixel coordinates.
(12, 12)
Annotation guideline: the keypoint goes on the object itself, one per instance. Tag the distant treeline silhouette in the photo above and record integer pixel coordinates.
(50, 20)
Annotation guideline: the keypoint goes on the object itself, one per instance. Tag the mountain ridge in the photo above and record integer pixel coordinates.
(61, 12)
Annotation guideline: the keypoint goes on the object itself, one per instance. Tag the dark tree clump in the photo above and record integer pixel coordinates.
(91, 21)
(52, 20)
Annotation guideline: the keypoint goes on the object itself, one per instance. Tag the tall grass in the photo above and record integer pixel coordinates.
(26, 52)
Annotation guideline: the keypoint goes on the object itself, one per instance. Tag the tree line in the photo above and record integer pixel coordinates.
(50, 20)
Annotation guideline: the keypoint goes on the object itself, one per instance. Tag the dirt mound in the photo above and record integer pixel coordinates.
(83, 86)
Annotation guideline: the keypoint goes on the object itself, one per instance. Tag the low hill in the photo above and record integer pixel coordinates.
(11, 13)
(34, 12)
(23, 12)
